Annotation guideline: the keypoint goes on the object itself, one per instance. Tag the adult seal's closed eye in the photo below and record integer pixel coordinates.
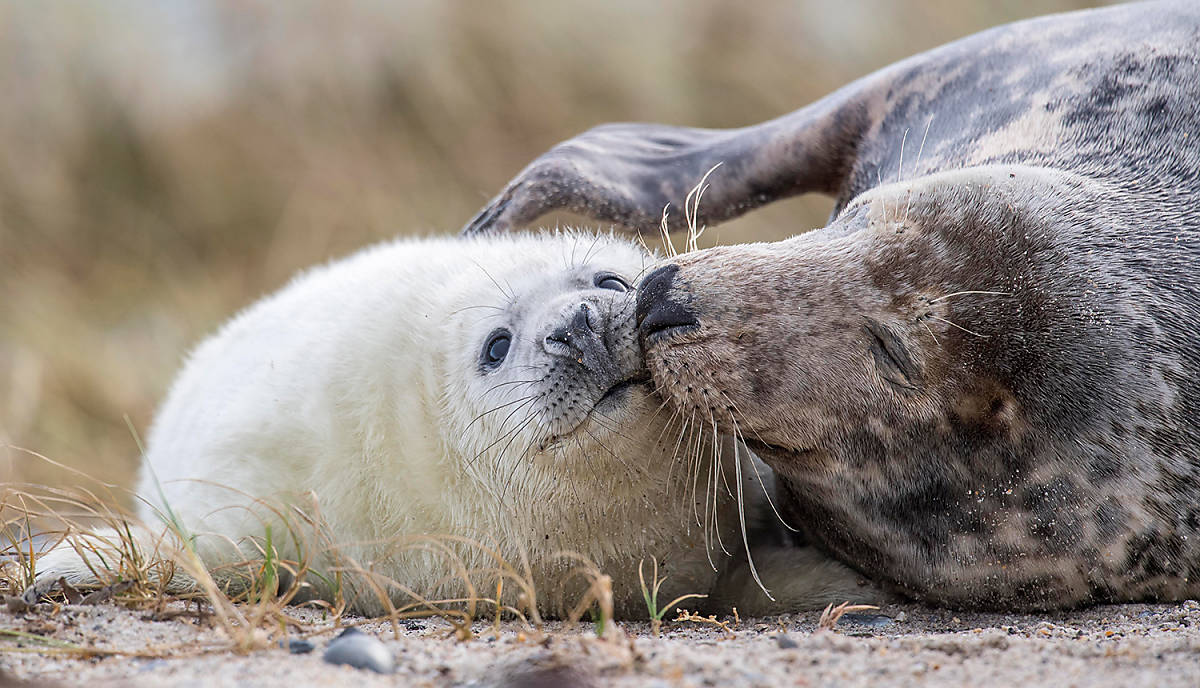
(979, 383)
(454, 407)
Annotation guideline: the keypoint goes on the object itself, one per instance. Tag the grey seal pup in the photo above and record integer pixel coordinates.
(449, 411)
(979, 383)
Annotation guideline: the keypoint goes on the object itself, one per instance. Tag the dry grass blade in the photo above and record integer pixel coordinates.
(711, 620)
(832, 614)
(665, 232)
(598, 596)
(691, 210)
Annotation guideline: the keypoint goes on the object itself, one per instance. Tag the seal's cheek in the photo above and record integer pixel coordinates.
(768, 342)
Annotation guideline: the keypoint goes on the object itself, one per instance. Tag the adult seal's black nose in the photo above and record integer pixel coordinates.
(658, 311)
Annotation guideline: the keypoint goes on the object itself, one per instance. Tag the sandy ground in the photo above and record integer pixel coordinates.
(1132, 645)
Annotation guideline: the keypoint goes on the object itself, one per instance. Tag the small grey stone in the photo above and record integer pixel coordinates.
(785, 641)
(296, 646)
(17, 605)
(868, 620)
(413, 624)
(361, 651)
(152, 665)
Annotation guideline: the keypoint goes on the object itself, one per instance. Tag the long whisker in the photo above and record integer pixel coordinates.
(739, 438)
(507, 293)
(633, 469)
(971, 291)
(971, 332)
(501, 438)
(498, 385)
(515, 465)
(737, 464)
(673, 459)
(718, 474)
(931, 334)
(493, 410)
(920, 151)
(708, 508)
(711, 516)
(469, 308)
(691, 210)
(595, 245)
(599, 418)
(513, 435)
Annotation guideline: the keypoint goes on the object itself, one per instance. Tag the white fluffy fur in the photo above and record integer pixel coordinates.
(359, 383)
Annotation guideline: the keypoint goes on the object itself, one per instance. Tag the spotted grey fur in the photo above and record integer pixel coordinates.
(979, 383)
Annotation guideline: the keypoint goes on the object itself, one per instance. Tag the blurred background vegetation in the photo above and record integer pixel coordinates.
(165, 162)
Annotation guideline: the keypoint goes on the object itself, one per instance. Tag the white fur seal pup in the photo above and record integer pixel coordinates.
(486, 389)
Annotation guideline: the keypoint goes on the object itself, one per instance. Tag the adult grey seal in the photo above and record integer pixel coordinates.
(978, 383)
(455, 407)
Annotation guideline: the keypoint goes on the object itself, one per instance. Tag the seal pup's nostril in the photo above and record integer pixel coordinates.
(582, 322)
(583, 340)
(657, 312)
(579, 329)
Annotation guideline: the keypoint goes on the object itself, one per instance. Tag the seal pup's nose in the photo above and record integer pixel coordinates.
(579, 339)
(657, 312)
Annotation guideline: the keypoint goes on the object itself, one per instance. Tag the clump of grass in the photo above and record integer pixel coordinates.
(597, 598)
(650, 595)
(247, 599)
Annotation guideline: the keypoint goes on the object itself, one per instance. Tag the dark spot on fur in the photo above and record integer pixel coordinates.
(1103, 467)
(1155, 108)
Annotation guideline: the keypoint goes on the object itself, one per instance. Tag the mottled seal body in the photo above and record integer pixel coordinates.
(979, 382)
(449, 409)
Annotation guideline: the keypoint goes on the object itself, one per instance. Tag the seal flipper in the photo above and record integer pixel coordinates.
(799, 578)
(627, 173)
(92, 560)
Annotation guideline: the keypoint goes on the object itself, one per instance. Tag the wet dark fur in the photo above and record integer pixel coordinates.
(1033, 447)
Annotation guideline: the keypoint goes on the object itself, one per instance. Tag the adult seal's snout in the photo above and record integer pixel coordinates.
(659, 311)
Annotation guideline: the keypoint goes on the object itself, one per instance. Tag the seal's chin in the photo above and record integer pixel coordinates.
(609, 405)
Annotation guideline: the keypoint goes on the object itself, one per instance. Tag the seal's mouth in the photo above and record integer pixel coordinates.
(617, 392)
(776, 456)
(612, 398)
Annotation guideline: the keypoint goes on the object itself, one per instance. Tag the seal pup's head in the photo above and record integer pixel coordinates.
(496, 389)
(546, 367)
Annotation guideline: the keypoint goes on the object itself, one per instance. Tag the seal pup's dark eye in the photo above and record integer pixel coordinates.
(496, 347)
(607, 280)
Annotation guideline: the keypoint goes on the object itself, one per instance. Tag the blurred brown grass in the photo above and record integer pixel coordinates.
(162, 165)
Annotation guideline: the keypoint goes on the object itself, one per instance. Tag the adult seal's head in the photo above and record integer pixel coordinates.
(953, 397)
